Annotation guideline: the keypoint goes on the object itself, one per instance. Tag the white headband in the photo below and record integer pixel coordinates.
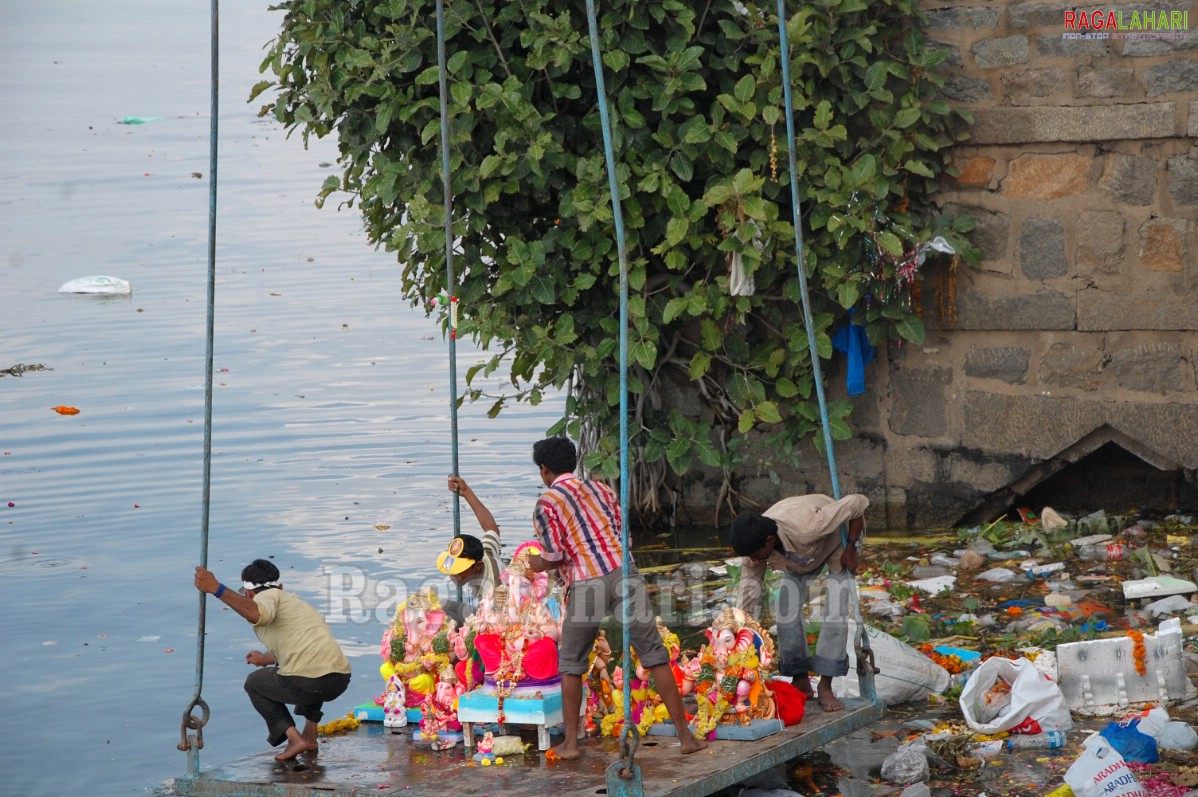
(252, 585)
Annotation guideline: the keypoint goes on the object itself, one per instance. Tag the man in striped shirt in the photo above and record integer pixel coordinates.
(578, 523)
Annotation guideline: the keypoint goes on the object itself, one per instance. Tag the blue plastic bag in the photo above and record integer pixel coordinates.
(1135, 746)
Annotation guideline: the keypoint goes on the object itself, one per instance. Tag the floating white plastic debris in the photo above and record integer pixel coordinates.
(100, 285)
(1157, 587)
(1034, 568)
(934, 585)
(1093, 539)
(1051, 520)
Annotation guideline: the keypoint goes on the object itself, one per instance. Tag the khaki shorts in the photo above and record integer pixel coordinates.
(588, 602)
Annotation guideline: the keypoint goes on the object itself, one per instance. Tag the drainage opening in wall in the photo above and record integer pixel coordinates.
(1106, 470)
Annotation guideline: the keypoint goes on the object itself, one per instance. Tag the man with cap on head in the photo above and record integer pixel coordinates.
(471, 563)
(303, 665)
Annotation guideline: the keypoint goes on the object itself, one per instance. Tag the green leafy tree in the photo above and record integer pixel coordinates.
(695, 93)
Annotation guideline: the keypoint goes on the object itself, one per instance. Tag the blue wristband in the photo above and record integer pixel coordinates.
(220, 591)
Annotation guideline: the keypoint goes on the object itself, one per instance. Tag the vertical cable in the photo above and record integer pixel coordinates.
(450, 278)
(190, 721)
(869, 691)
(796, 214)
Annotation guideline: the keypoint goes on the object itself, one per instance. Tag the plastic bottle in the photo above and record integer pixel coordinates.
(1049, 740)
(1109, 552)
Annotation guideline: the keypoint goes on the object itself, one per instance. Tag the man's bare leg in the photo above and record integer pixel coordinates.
(668, 689)
(571, 706)
(309, 734)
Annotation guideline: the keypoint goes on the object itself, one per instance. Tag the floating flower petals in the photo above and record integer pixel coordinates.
(63, 409)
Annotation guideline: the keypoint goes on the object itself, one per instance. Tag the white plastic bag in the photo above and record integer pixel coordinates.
(1031, 702)
(999, 575)
(1101, 772)
(1177, 735)
(906, 674)
(907, 764)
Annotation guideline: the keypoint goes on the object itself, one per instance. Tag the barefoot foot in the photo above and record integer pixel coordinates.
(828, 701)
(567, 751)
(296, 744)
(692, 745)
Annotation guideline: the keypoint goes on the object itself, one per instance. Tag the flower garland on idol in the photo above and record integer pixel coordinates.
(715, 702)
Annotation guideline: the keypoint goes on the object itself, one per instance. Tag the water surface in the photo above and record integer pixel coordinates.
(331, 428)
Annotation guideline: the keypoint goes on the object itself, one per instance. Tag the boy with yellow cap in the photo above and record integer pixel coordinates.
(471, 563)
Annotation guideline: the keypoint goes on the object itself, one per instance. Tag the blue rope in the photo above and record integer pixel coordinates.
(190, 721)
(450, 278)
(613, 183)
(796, 220)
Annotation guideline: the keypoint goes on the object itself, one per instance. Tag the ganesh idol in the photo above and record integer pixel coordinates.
(416, 650)
(730, 674)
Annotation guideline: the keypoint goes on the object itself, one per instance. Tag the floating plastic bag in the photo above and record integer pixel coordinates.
(1013, 696)
(99, 285)
(1101, 772)
(999, 575)
(908, 763)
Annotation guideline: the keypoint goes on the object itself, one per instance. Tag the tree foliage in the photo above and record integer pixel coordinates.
(696, 101)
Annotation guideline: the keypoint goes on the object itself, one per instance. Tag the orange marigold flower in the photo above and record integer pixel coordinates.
(1138, 651)
(1014, 611)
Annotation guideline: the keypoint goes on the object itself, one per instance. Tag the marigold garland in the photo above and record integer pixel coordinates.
(435, 662)
(341, 725)
(710, 711)
(1138, 651)
(950, 662)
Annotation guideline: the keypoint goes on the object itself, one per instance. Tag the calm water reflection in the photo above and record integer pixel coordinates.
(330, 410)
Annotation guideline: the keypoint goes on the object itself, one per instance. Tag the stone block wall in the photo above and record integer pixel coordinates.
(1081, 323)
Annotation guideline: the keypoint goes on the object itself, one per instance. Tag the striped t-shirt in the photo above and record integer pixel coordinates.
(579, 522)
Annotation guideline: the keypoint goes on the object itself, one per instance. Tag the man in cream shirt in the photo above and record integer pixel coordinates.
(798, 536)
(303, 665)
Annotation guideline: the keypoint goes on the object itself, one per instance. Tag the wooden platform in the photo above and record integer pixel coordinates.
(374, 761)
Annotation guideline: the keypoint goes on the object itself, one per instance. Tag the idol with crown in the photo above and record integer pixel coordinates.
(647, 706)
(508, 649)
(729, 677)
(416, 650)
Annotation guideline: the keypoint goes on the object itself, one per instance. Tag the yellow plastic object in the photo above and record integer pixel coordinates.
(1061, 791)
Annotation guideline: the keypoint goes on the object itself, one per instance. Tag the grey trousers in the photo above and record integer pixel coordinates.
(831, 651)
(270, 692)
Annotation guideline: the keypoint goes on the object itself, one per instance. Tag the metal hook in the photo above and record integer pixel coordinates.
(192, 722)
(630, 740)
(865, 654)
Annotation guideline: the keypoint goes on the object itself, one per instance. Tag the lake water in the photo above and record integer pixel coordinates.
(331, 432)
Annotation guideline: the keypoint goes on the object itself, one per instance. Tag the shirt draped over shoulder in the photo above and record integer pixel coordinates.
(578, 522)
(297, 636)
(809, 531)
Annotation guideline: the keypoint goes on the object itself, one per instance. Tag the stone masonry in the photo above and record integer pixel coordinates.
(1081, 322)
